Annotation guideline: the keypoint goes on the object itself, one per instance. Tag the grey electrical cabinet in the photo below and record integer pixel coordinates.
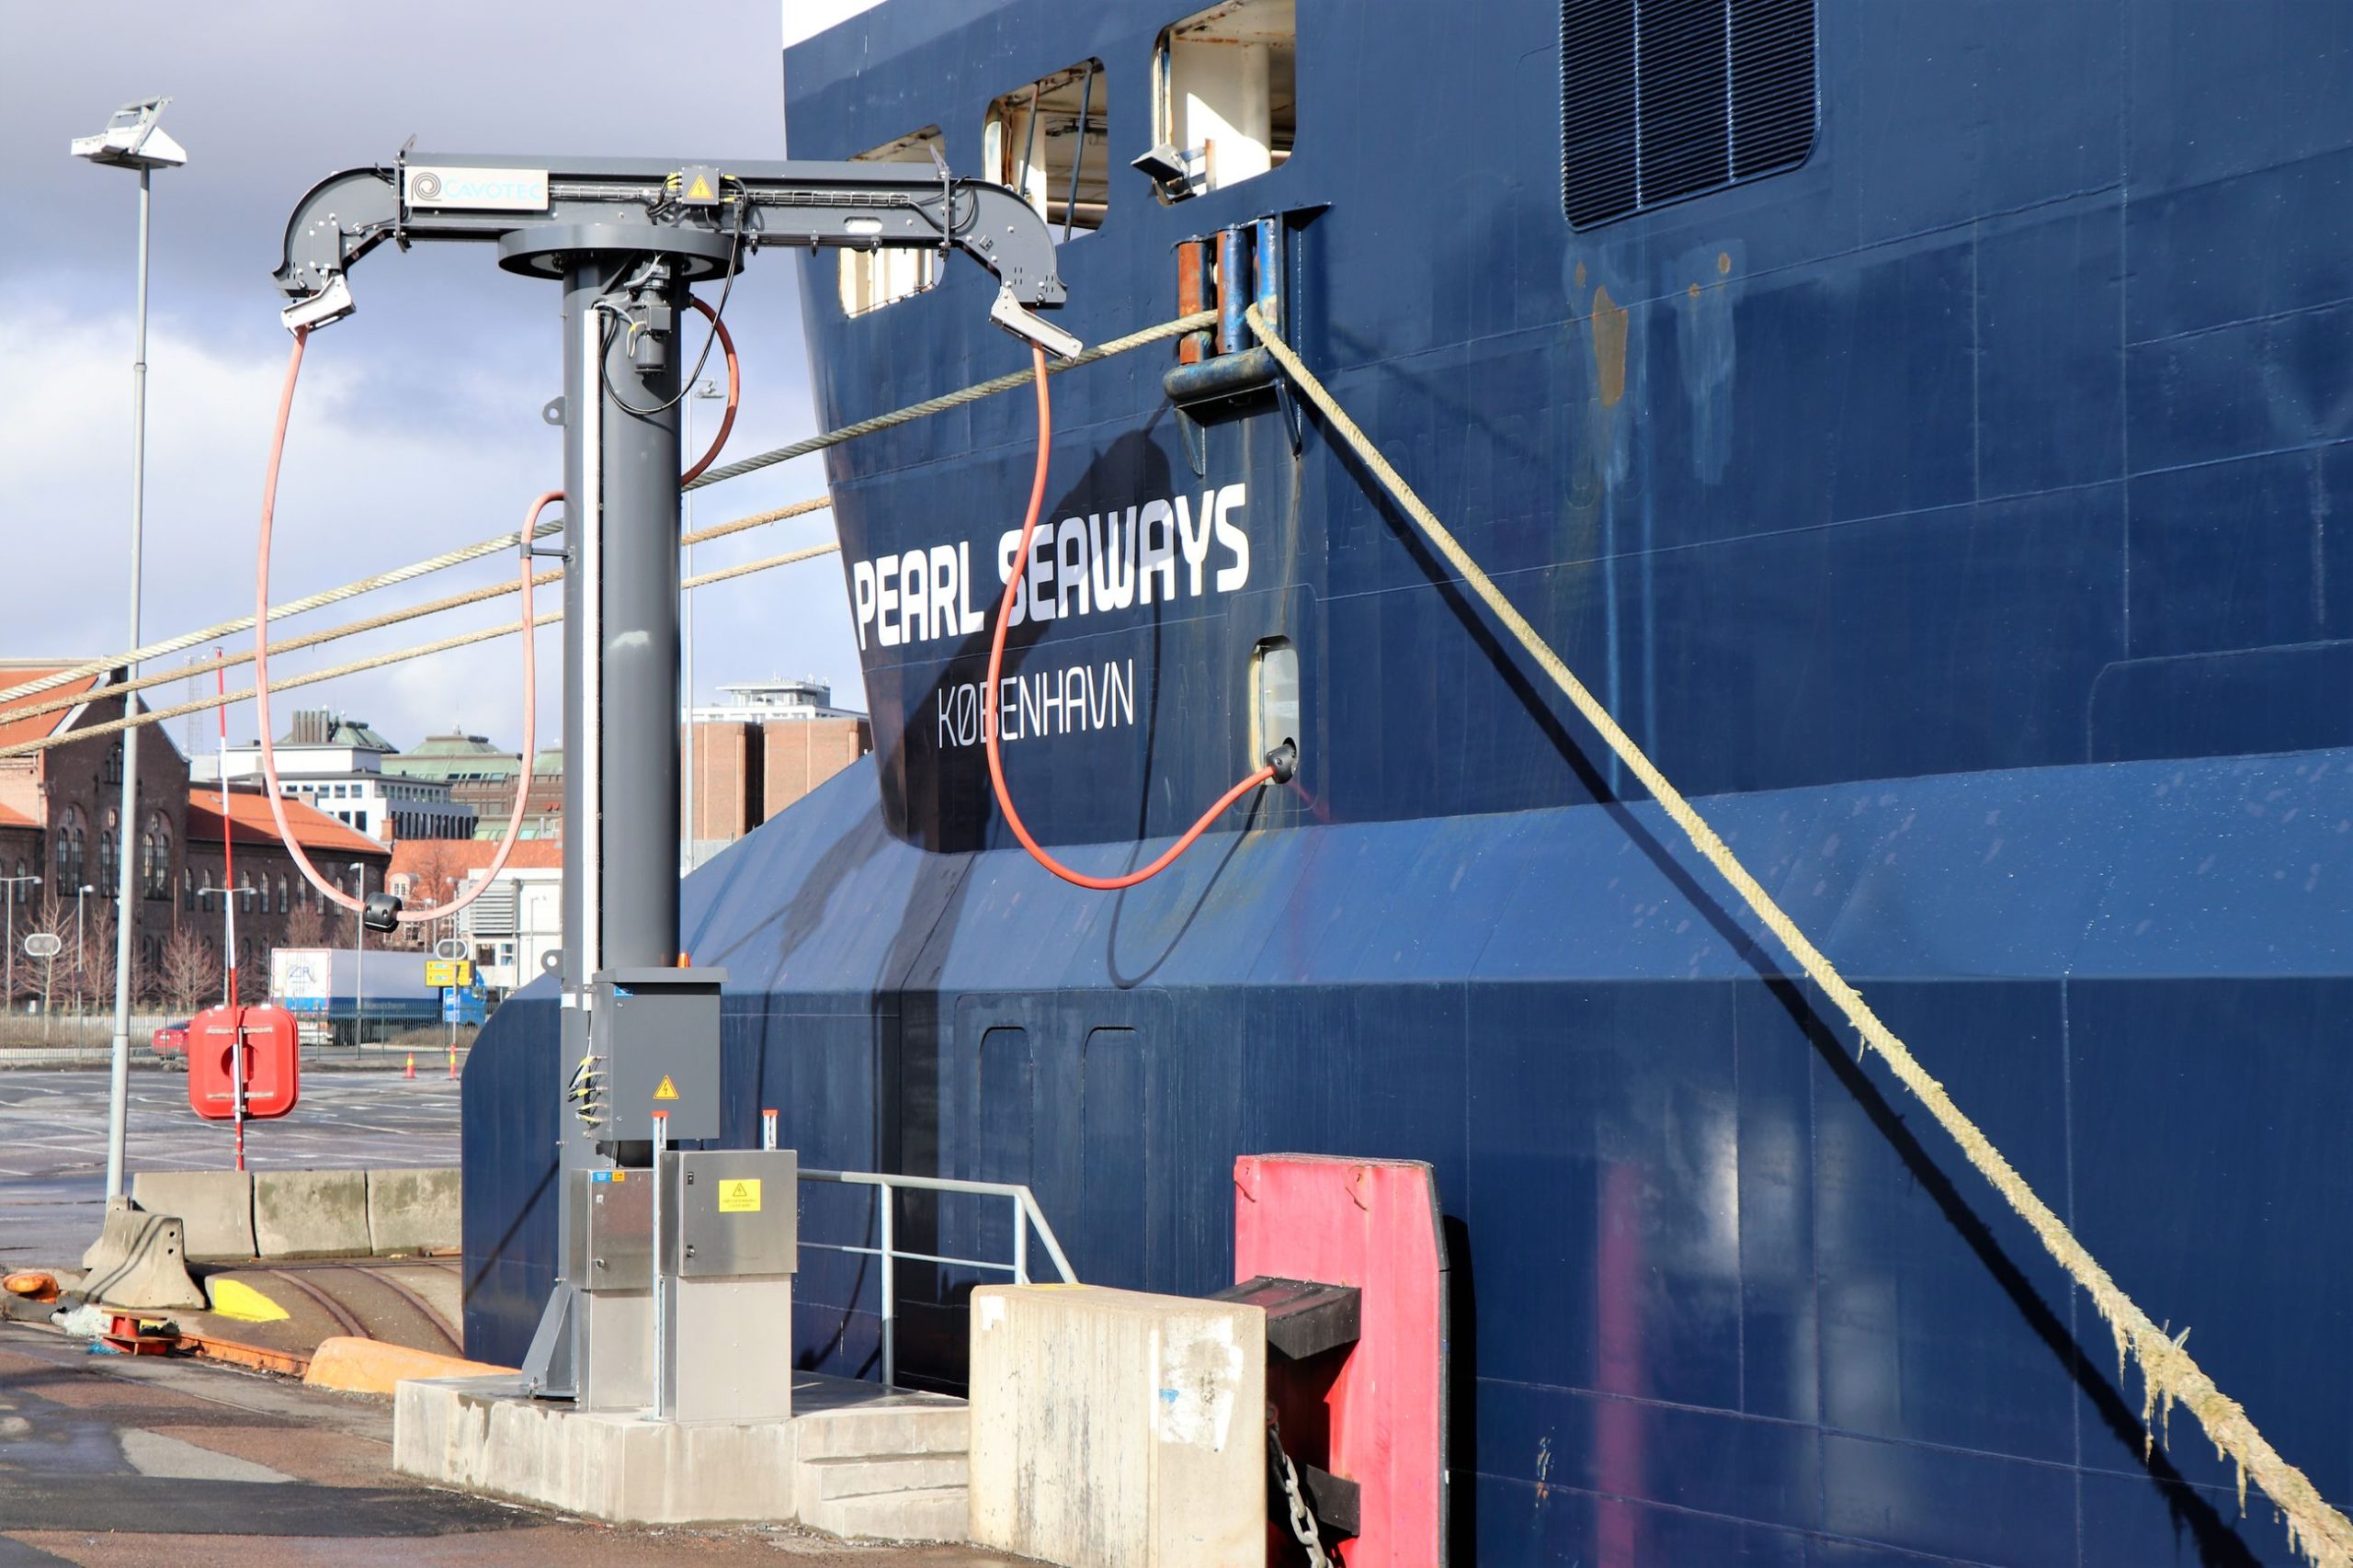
(657, 1033)
(736, 1213)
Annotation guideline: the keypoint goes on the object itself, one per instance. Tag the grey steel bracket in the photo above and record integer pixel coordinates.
(540, 212)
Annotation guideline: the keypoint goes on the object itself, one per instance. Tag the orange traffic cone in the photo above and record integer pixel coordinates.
(412, 1066)
(454, 1061)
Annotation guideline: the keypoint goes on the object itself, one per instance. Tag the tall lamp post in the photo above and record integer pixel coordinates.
(81, 1008)
(9, 1002)
(704, 391)
(131, 141)
(359, 958)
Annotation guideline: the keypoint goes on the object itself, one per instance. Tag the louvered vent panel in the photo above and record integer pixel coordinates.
(1773, 94)
(1597, 110)
(1664, 99)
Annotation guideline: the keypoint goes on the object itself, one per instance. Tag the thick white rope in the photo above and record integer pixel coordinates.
(377, 623)
(2170, 1375)
(957, 399)
(418, 651)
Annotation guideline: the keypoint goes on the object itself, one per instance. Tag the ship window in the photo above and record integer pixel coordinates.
(1664, 100)
(1050, 141)
(1225, 101)
(872, 278)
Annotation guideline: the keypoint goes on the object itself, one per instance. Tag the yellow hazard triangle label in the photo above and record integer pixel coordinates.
(741, 1196)
(667, 1091)
(700, 190)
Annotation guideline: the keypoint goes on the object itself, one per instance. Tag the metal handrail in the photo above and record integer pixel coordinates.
(1025, 1214)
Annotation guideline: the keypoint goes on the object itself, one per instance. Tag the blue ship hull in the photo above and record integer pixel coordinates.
(1960, 515)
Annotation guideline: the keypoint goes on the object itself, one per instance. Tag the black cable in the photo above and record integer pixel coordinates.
(687, 385)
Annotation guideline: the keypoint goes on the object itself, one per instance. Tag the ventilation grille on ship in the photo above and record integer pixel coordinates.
(1664, 99)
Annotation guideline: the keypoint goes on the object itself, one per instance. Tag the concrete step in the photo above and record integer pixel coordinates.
(939, 1513)
(887, 1428)
(871, 1474)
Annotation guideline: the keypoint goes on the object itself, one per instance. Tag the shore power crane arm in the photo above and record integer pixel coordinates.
(539, 210)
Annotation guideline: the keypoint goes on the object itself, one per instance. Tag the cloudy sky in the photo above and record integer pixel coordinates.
(418, 425)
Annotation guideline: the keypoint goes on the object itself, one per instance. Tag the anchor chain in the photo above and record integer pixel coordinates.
(1302, 1520)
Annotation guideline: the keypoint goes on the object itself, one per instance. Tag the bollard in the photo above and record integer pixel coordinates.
(411, 1070)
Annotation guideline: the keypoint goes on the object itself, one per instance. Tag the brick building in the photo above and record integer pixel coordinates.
(60, 821)
(759, 754)
(275, 906)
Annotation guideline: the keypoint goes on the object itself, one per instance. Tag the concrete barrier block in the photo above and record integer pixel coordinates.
(217, 1207)
(415, 1210)
(1115, 1429)
(140, 1261)
(311, 1213)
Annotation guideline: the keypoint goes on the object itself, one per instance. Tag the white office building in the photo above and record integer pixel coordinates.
(336, 765)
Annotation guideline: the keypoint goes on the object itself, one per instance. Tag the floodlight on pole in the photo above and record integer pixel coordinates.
(131, 140)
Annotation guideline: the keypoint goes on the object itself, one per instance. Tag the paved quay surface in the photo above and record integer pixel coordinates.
(53, 1141)
(108, 1462)
(111, 1463)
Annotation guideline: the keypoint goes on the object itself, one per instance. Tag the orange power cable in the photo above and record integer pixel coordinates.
(996, 663)
(734, 391)
(261, 677)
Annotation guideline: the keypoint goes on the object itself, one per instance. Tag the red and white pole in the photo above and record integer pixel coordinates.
(229, 911)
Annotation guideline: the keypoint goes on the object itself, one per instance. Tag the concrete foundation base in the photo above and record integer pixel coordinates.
(852, 1459)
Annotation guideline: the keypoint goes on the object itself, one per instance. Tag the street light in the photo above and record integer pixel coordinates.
(8, 1004)
(359, 958)
(704, 391)
(79, 1009)
(131, 140)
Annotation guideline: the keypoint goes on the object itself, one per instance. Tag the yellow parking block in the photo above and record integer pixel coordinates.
(235, 1299)
(371, 1366)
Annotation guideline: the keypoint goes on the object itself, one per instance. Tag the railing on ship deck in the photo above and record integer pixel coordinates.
(1025, 1214)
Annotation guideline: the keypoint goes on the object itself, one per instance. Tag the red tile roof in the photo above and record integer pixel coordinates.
(464, 857)
(40, 725)
(10, 817)
(249, 810)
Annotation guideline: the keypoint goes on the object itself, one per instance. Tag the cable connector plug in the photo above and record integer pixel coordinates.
(1284, 760)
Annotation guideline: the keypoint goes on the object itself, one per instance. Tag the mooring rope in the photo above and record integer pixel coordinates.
(475, 551)
(402, 655)
(957, 399)
(391, 618)
(2171, 1376)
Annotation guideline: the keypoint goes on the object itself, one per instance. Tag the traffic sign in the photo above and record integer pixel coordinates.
(43, 945)
(450, 947)
(448, 971)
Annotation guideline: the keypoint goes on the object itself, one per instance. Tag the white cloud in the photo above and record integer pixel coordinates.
(375, 477)
(417, 427)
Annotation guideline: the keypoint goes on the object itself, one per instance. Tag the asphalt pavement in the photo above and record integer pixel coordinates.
(119, 1462)
(53, 1141)
(116, 1463)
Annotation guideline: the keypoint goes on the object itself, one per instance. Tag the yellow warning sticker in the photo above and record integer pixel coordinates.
(666, 1090)
(740, 1197)
(700, 190)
